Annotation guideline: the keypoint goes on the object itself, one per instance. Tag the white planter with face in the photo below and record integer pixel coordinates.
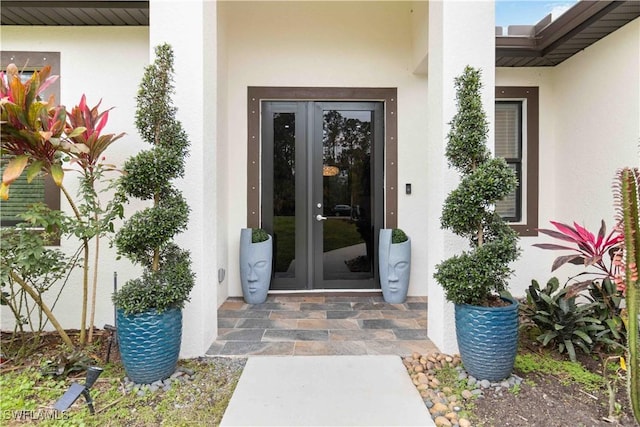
(255, 267)
(394, 263)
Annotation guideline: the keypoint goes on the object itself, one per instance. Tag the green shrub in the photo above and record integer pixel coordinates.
(561, 321)
(607, 299)
(259, 235)
(398, 236)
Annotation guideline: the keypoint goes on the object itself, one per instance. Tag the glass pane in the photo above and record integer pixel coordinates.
(508, 129)
(347, 232)
(508, 207)
(284, 194)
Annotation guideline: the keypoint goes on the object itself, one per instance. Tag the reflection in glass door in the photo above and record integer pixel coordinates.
(322, 192)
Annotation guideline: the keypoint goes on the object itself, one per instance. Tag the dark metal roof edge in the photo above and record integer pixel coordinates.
(79, 4)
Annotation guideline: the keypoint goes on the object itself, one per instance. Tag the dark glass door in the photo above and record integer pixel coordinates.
(322, 186)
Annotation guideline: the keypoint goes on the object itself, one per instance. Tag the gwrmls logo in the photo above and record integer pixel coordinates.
(32, 414)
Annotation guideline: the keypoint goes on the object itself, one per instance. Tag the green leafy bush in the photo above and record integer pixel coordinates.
(146, 238)
(398, 236)
(561, 321)
(29, 269)
(259, 235)
(607, 309)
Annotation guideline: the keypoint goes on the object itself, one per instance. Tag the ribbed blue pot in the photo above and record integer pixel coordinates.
(149, 344)
(488, 339)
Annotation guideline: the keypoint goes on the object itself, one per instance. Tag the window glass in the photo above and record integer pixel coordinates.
(508, 144)
(516, 140)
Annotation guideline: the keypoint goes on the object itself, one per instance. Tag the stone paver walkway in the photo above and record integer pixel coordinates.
(293, 325)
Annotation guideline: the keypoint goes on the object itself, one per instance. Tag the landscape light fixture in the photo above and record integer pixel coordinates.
(71, 395)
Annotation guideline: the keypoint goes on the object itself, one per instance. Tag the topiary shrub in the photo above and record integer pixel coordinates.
(474, 275)
(147, 237)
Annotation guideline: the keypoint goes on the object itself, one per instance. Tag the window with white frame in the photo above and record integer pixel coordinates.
(516, 140)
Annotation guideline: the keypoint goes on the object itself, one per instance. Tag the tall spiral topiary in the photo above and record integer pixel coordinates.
(474, 275)
(147, 237)
(627, 201)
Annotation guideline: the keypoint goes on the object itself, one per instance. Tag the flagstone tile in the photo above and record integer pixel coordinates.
(295, 335)
(388, 324)
(258, 348)
(300, 298)
(374, 306)
(327, 324)
(326, 306)
(411, 334)
(290, 306)
(318, 348)
(406, 314)
(267, 324)
(354, 298)
(215, 348)
(361, 335)
(242, 335)
(298, 315)
(422, 306)
(227, 323)
(366, 314)
(233, 305)
(320, 324)
(247, 314)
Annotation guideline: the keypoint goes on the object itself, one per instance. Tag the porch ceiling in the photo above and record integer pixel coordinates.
(75, 12)
(546, 44)
(550, 42)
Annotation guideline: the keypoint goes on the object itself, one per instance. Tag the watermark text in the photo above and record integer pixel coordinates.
(31, 415)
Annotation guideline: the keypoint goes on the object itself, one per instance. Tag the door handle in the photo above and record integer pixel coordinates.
(320, 217)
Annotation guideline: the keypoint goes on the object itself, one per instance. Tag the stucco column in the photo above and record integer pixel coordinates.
(460, 33)
(190, 28)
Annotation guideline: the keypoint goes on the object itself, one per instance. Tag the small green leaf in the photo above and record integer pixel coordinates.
(77, 131)
(34, 170)
(57, 174)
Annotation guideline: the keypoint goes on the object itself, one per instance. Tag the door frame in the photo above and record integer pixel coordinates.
(257, 94)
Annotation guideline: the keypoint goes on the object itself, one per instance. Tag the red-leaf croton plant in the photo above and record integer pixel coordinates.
(38, 136)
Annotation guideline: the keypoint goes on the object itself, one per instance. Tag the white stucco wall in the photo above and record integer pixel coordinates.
(589, 127)
(103, 63)
(191, 29)
(343, 44)
(461, 33)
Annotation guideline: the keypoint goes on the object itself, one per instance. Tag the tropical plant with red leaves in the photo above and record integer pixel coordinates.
(34, 133)
(588, 249)
(93, 122)
(38, 136)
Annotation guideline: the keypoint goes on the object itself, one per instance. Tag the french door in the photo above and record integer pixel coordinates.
(322, 192)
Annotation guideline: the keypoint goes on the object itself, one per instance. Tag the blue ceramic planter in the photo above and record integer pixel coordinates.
(149, 344)
(488, 339)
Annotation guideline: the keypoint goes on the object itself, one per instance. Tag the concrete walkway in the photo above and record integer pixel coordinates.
(326, 391)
